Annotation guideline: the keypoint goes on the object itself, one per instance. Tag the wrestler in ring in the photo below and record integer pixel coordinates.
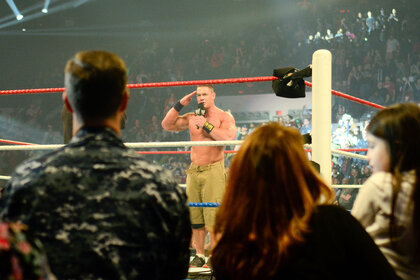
(206, 175)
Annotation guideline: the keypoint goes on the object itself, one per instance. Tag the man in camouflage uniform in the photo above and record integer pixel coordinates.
(100, 209)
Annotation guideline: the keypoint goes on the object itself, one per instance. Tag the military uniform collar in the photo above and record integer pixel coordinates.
(96, 132)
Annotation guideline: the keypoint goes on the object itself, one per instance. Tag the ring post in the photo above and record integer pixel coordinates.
(321, 111)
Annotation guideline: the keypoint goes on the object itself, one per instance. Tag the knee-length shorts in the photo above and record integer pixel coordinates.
(205, 184)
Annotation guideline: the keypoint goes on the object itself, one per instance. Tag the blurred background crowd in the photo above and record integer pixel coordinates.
(374, 44)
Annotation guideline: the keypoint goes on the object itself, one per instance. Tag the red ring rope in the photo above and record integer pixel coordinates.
(151, 85)
(176, 152)
(194, 83)
(170, 152)
(15, 142)
(227, 151)
(352, 98)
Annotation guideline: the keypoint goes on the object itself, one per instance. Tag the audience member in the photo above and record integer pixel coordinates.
(21, 255)
(276, 221)
(388, 204)
(100, 209)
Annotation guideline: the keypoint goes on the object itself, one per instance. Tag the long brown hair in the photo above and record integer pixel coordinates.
(399, 126)
(271, 193)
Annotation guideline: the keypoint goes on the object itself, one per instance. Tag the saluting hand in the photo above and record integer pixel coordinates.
(187, 98)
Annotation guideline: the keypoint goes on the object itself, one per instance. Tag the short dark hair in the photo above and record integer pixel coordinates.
(206, 85)
(95, 82)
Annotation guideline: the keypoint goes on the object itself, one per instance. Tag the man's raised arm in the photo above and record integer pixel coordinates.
(173, 121)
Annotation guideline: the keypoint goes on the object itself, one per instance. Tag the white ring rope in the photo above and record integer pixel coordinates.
(347, 154)
(30, 147)
(130, 145)
(162, 145)
(166, 145)
(346, 186)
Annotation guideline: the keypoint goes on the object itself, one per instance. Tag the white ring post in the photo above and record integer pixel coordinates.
(321, 111)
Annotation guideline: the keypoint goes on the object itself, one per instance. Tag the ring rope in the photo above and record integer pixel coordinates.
(131, 145)
(177, 152)
(153, 85)
(346, 186)
(194, 83)
(27, 146)
(15, 142)
(163, 145)
(172, 152)
(352, 98)
(347, 154)
(211, 204)
(203, 204)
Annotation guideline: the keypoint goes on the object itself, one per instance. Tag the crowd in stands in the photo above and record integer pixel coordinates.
(375, 57)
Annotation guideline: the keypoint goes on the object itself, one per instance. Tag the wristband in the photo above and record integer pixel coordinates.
(208, 127)
(178, 106)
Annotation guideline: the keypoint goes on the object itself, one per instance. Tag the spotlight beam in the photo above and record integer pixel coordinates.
(46, 5)
(15, 10)
(58, 8)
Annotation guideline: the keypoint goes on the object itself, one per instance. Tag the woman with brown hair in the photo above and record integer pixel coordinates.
(388, 205)
(275, 221)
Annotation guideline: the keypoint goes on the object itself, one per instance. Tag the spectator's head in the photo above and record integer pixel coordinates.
(244, 130)
(354, 171)
(21, 255)
(271, 193)
(95, 86)
(393, 136)
(345, 181)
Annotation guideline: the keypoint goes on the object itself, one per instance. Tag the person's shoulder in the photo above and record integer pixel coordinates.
(326, 217)
(25, 176)
(157, 182)
(381, 175)
(187, 116)
(378, 180)
(228, 113)
(34, 165)
(148, 170)
(224, 114)
(331, 210)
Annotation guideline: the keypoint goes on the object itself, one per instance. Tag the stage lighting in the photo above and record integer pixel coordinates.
(15, 10)
(46, 4)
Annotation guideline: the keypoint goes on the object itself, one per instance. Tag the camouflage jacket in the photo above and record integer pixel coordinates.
(102, 211)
